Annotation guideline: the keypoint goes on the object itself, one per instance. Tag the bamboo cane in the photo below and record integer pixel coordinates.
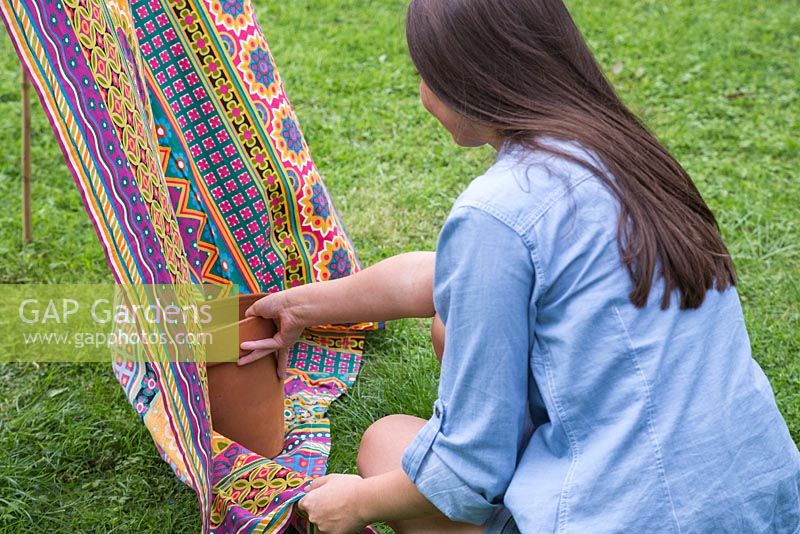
(27, 230)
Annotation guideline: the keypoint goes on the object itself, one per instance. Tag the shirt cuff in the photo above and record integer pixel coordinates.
(438, 482)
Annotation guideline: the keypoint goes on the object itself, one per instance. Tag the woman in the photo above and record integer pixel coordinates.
(597, 374)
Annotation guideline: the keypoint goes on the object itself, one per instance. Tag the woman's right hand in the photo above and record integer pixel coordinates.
(397, 287)
(277, 307)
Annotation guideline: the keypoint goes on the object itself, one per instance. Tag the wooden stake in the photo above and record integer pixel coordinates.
(27, 230)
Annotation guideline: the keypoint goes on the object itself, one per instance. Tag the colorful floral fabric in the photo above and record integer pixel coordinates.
(192, 167)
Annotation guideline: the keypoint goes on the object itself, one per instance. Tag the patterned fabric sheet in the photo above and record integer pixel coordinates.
(192, 167)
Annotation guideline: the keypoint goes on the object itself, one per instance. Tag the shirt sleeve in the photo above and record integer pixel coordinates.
(463, 459)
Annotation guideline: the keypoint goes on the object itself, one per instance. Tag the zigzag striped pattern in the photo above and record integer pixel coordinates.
(192, 167)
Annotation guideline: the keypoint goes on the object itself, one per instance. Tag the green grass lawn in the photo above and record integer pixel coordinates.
(717, 81)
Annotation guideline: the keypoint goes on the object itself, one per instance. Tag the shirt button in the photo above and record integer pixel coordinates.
(437, 412)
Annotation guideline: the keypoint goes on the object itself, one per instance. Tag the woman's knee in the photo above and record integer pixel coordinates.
(384, 442)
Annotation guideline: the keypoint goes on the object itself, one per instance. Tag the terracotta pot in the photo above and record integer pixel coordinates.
(247, 401)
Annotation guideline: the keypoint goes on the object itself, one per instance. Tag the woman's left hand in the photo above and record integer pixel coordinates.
(333, 503)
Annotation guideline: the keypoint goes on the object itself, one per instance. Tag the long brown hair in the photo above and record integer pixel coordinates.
(522, 68)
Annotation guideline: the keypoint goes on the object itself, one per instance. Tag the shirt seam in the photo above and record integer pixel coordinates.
(526, 228)
(529, 224)
(574, 448)
(494, 213)
(650, 416)
(529, 241)
(551, 199)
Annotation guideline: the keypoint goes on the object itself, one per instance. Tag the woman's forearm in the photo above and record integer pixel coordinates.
(397, 287)
(393, 497)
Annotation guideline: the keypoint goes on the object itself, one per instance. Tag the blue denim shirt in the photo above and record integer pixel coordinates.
(563, 404)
